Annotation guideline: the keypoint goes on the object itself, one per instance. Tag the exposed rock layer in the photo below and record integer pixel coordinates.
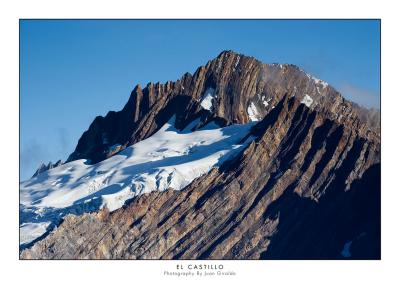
(308, 185)
(239, 82)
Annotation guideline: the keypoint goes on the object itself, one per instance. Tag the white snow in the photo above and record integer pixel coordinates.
(168, 159)
(252, 112)
(294, 92)
(237, 62)
(265, 102)
(208, 99)
(219, 65)
(319, 82)
(307, 100)
(32, 231)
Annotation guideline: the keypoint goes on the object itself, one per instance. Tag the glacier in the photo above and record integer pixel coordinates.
(168, 159)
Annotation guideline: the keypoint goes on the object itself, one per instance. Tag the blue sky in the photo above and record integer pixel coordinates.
(72, 71)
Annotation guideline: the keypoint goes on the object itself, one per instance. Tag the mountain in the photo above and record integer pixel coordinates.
(241, 160)
(229, 89)
(43, 167)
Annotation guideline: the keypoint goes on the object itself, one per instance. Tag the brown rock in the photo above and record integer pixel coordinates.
(307, 185)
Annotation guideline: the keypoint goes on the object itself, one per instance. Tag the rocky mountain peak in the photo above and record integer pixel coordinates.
(43, 167)
(232, 88)
(307, 173)
(302, 179)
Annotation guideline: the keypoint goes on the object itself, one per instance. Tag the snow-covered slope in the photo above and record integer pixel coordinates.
(208, 99)
(169, 158)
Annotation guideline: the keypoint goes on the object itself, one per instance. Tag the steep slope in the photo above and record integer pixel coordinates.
(232, 88)
(307, 187)
(297, 177)
(168, 159)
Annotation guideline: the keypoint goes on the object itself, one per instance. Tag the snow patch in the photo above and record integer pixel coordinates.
(31, 231)
(252, 112)
(168, 159)
(294, 92)
(264, 101)
(307, 100)
(237, 62)
(208, 99)
(317, 81)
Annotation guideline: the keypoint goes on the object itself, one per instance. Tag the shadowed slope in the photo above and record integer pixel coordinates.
(259, 205)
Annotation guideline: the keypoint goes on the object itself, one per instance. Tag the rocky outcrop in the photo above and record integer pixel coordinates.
(308, 186)
(42, 168)
(243, 88)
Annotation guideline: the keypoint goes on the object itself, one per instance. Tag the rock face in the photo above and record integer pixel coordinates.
(239, 84)
(307, 187)
(42, 168)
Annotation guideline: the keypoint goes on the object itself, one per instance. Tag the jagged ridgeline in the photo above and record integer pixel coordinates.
(292, 172)
(244, 89)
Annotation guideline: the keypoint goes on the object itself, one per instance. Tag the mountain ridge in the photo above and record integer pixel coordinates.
(307, 173)
(149, 108)
(241, 210)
